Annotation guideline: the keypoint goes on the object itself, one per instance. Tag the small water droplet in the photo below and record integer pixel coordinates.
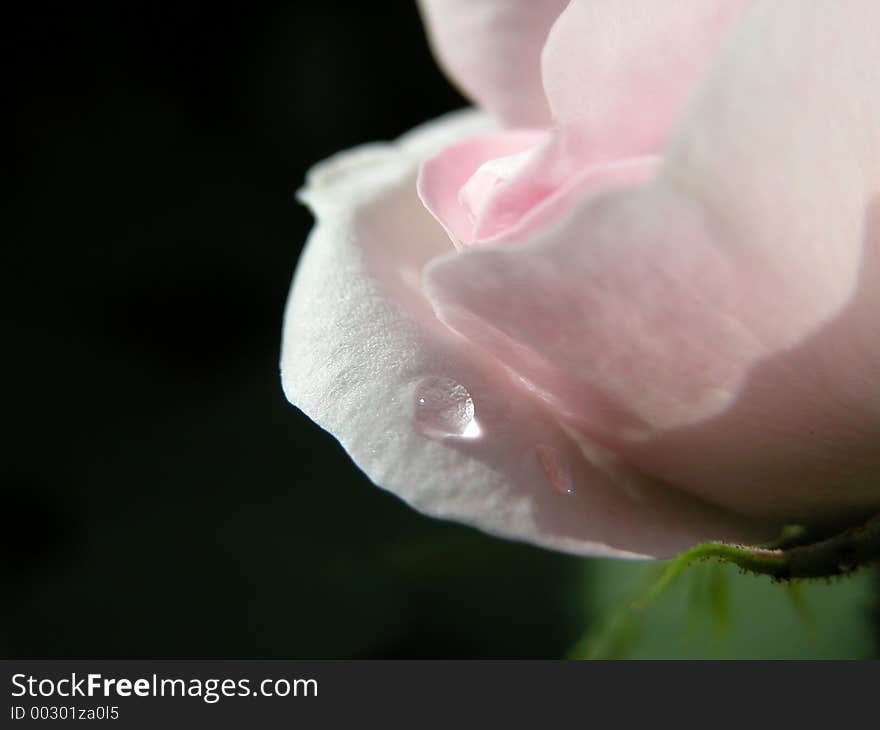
(444, 408)
(554, 465)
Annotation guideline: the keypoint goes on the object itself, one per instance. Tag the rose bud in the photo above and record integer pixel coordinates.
(630, 305)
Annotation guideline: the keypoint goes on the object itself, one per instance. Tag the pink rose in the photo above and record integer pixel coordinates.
(640, 305)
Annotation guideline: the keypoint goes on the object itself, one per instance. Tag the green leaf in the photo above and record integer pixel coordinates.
(713, 611)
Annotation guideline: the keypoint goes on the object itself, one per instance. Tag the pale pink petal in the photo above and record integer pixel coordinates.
(509, 216)
(617, 73)
(488, 189)
(718, 328)
(361, 342)
(492, 50)
(443, 176)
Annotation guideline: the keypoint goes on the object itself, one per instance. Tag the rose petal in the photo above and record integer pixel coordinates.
(617, 73)
(481, 190)
(492, 49)
(443, 176)
(360, 341)
(718, 328)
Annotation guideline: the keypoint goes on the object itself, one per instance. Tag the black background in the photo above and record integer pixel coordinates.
(160, 497)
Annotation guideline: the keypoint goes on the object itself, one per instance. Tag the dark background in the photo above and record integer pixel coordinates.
(160, 497)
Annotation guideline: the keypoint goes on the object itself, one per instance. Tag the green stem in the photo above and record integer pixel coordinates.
(792, 556)
(837, 555)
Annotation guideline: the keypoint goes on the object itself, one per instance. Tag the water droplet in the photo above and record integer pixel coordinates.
(555, 467)
(444, 408)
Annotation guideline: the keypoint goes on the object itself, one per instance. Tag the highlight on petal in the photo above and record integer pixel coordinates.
(426, 414)
(491, 49)
(717, 328)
